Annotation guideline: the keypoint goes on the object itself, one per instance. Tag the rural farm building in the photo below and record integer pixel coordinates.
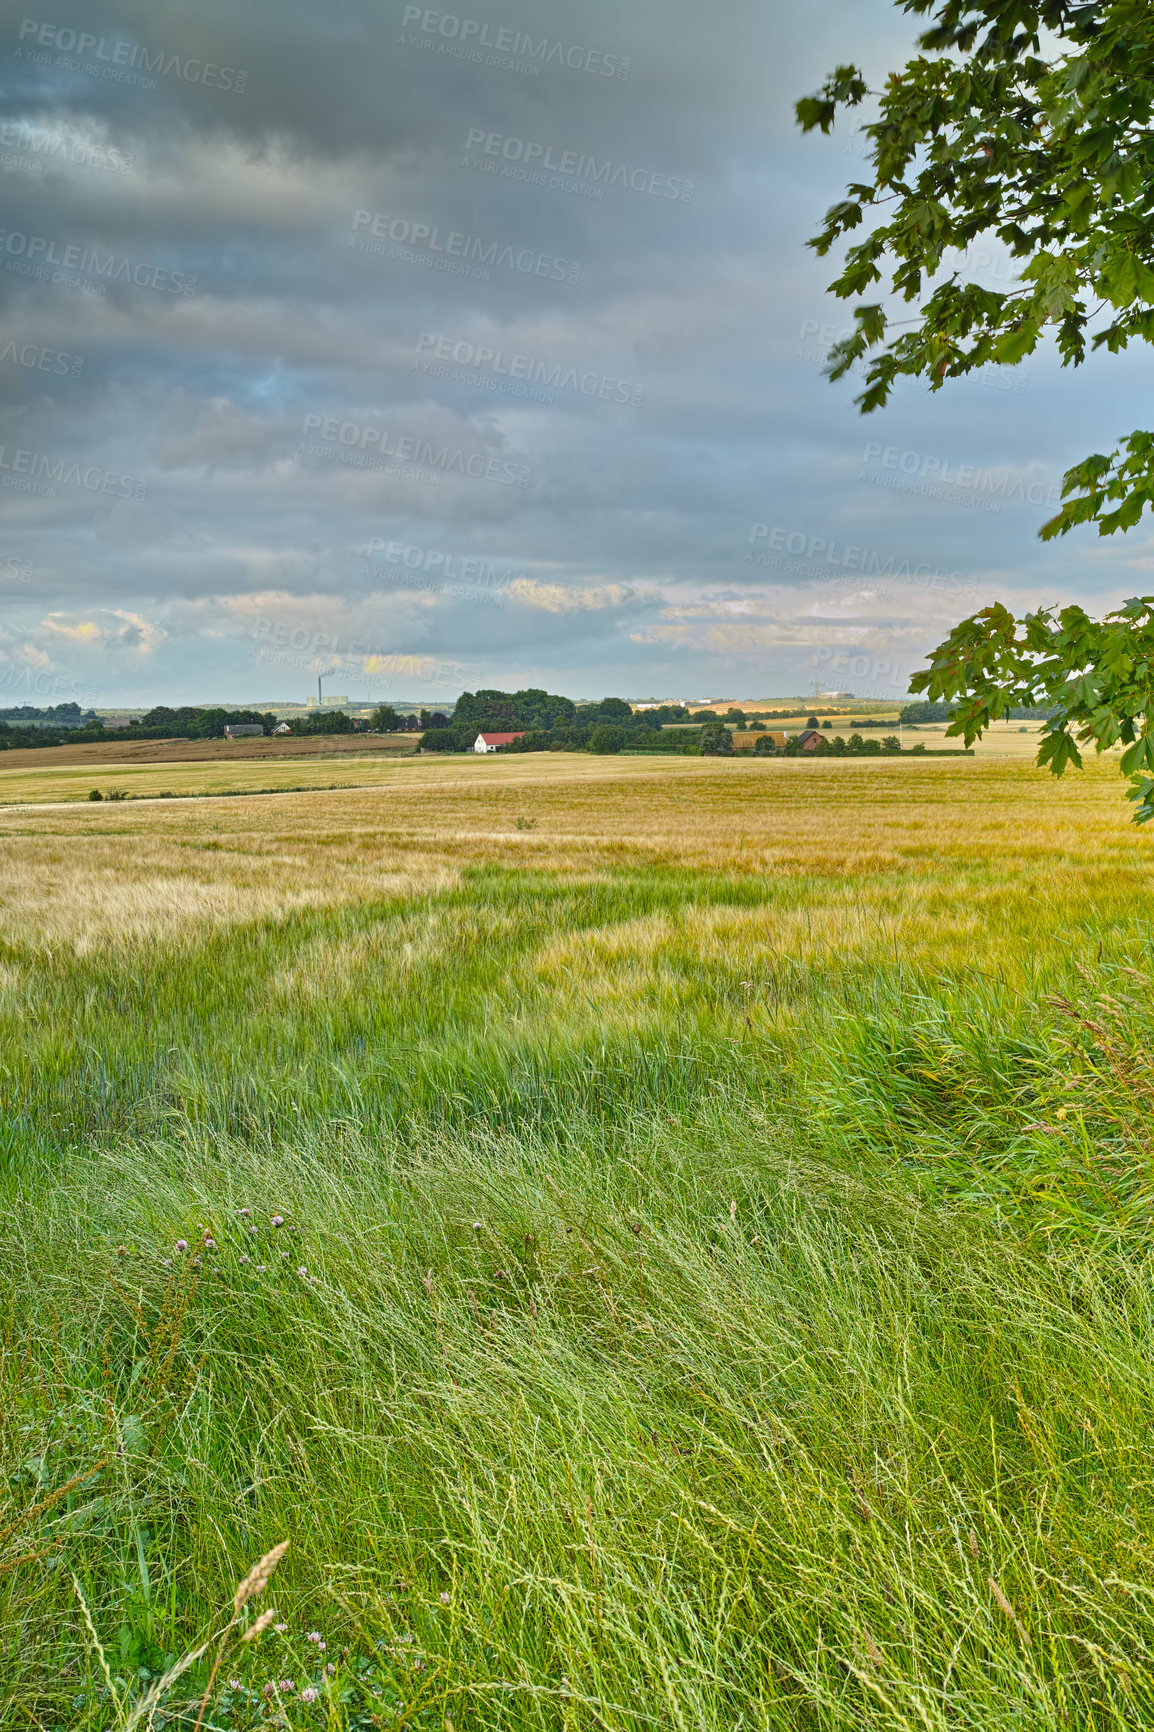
(234, 730)
(490, 742)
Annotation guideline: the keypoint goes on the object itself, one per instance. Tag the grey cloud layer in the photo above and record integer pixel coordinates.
(523, 291)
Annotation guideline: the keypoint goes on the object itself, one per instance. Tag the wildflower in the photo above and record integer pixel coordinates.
(308, 1694)
(252, 1230)
(304, 1274)
(477, 1226)
(323, 1647)
(234, 1683)
(284, 1256)
(280, 1629)
(245, 1212)
(446, 1599)
(166, 1262)
(278, 1220)
(330, 1670)
(285, 1685)
(268, 1689)
(313, 1636)
(209, 1242)
(181, 1245)
(262, 1268)
(246, 1259)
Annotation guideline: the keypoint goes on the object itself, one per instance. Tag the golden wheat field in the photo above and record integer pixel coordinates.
(904, 827)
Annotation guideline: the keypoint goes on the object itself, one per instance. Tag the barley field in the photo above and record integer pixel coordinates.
(666, 1243)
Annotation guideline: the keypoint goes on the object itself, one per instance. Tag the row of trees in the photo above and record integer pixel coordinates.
(715, 739)
(837, 747)
(547, 722)
(191, 723)
(14, 735)
(387, 720)
(53, 716)
(46, 728)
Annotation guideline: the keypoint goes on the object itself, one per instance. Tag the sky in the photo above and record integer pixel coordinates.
(424, 350)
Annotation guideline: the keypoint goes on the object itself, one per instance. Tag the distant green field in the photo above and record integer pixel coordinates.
(666, 1242)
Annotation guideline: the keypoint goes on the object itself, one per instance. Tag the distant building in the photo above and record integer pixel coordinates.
(490, 742)
(810, 739)
(282, 728)
(117, 721)
(234, 730)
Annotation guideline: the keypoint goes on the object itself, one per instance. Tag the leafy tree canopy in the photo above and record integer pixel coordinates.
(189, 723)
(60, 715)
(925, 712)
(716, 739)
(1097, 678)
(322, 721)
(501, 712)
(607, 710)
(1029, 121)
(1053, 155)
(667, 713)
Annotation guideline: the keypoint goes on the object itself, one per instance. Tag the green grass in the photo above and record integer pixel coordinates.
(687, 1432)
(726, 1303)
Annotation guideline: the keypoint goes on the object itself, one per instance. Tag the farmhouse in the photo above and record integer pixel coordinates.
(490, 742)
(810, 739)
(234, 730)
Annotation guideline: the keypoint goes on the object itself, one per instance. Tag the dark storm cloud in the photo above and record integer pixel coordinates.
(520, 292)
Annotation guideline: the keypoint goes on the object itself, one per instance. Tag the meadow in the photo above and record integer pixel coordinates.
(665, 1242)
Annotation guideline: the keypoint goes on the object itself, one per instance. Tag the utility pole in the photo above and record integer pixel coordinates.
(320, 698)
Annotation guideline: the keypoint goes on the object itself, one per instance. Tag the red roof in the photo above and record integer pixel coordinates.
(501, 739)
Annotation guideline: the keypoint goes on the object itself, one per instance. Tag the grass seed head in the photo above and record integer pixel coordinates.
(259, 1628)
(259, 1576)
